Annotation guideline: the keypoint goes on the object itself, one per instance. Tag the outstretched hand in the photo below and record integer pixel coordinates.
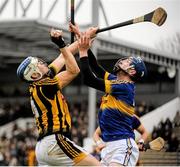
(92, 31)
(84, 43)
(56, 37)
(75, 29)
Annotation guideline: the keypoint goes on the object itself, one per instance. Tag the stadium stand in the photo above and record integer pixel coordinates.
(152, 158)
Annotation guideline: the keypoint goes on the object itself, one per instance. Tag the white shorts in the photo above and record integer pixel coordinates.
(124, 152)
(57, 150)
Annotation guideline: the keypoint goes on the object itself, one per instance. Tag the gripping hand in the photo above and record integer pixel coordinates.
(56, 37)
(141, 145)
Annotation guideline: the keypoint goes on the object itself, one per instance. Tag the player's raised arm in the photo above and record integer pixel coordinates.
(95, 66)
(88, 77)
(59, 62)
(72, 69)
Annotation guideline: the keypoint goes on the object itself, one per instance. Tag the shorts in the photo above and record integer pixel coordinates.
(58, 150)
(124, 152)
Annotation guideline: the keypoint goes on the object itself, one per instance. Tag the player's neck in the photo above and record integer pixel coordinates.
(124, 77)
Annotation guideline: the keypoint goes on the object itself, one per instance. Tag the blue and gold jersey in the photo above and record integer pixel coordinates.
(49, 107)
(117, 109)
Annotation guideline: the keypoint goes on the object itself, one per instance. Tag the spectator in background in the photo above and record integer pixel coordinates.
(141, 109)
(31, 156)
(10, 112)
(168, 123)
(15, 148)
(161, 128)
(173, 143)
(167, 130)
(154, 133)
(2, 160)
(176, 120)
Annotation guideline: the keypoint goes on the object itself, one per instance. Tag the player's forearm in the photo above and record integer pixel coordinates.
(97, 69)
(143, 132)
(59, 62)
(73, 48)
(70, 62)
(88, 77)
(96, 135)
(66, 53)
(144, 136)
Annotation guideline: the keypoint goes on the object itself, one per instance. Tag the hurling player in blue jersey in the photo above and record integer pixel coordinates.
(137, 125)
(117, 107)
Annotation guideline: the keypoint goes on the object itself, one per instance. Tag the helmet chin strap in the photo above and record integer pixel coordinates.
(49, 73)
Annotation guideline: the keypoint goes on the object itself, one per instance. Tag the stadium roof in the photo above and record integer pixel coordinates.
(20, 38)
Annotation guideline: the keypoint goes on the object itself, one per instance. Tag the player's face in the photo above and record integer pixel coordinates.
(43, 67)
(125, 63)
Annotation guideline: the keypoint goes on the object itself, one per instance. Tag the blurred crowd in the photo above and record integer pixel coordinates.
(13, 92)
(18, 149)
(166, 130)
(143, 108)
(79, 117)
(10, 112)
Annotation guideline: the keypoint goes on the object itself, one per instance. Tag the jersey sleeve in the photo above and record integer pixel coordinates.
(53, 71)
(109, 76)
(136, 122)
(95, 66)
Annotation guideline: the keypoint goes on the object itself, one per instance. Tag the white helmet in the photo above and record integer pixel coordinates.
(27, 68)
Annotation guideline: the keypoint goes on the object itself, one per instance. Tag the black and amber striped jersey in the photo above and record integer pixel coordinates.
(49, 107)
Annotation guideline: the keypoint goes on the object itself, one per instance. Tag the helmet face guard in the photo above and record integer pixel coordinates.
(28, 67)
(136, 63)
(117, 68)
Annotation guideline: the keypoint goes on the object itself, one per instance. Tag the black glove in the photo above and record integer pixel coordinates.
(59, 41)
